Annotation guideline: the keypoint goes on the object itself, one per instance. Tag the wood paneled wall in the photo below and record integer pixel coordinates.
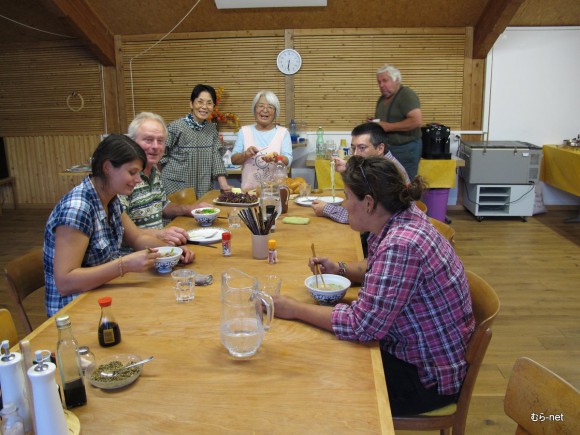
(36, 82)
(336, 87)
(38, 164)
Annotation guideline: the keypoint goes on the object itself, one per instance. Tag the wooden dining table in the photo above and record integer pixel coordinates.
(301, 380)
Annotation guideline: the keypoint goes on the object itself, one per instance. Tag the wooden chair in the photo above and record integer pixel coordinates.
(7, 327)
(25, 275)
(183, 196)
(454, 416)
(447, 231)
(422, 206)
(532, 388)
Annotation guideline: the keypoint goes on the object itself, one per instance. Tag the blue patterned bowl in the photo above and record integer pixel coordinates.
(337, 287)
(206, 215)
(170, 256)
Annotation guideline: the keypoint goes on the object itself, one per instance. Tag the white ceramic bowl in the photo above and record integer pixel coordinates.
(170, 256)
(106, 383)
(339, 283)
(205, 215)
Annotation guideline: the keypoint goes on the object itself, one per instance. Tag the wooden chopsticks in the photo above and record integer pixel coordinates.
(317, 267)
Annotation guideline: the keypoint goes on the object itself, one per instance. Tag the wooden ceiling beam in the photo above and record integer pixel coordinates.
(493, 21)
(88, 26)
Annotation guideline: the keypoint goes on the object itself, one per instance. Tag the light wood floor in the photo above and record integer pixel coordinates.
(534, 267)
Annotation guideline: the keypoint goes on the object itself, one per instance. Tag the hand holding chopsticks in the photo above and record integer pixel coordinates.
(317, 268)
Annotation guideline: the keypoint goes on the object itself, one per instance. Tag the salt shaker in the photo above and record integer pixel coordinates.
(14, 386)
(226, 244)
(87, 358)
(12, 423)
(49, 417)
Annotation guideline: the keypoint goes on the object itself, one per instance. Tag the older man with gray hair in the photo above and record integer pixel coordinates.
(398, 112)
(148, 205)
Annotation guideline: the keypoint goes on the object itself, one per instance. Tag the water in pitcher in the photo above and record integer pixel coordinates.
(242, 337)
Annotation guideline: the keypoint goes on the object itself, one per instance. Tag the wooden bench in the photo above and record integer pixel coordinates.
(11, 181)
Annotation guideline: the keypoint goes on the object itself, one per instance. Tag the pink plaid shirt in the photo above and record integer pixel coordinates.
(415, 300)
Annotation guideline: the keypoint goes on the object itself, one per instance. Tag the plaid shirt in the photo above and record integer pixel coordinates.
(415, 300)
(338, 213)
(81, 209)
(192, 158)
(146, 203)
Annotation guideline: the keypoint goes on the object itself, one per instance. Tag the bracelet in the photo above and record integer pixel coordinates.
(121, 273)
(342, 268)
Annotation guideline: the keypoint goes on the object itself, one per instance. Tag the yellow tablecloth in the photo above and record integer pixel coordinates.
(561, 168)
(440, 174)
(322, 168)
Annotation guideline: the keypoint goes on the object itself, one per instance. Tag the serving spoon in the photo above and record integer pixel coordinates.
(116, 372)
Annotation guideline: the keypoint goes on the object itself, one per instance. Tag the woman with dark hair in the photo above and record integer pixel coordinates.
(85, 230)
(192, 157)
(414, 297)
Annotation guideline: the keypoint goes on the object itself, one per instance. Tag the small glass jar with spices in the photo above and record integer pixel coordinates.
(109, 331)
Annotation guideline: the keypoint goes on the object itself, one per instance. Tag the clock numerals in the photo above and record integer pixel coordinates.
(289, 61)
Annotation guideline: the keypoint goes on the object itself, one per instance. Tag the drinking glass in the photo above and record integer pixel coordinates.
(305, 190)
(183, 285)
(234, 219)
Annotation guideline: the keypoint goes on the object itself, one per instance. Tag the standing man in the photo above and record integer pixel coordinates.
(147, 206)
(398, 112)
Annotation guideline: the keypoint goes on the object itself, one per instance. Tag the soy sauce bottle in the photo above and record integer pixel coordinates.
(109, 332)
(69, 364)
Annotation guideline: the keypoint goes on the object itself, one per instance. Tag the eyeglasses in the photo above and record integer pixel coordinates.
(268, 107)
(362, 171)
(202, 103)
(361, 148)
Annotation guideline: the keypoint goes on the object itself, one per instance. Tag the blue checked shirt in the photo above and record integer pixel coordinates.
(81, 209)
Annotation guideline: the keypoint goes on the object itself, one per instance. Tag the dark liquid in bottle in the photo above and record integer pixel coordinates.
(74, 393)
(109, 334)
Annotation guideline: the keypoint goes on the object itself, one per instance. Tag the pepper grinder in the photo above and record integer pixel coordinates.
(14, 388)
(49, 415)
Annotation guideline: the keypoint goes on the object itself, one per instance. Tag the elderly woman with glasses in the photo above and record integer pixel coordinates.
(257, 146)
(414, 297)
(192, 157)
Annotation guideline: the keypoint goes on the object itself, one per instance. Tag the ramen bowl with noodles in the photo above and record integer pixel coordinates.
(336, 287)
(168, 257)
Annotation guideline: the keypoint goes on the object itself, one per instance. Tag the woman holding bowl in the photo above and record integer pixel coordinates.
(85, 230)
(414, 299)
(192, 157)
(258, 145)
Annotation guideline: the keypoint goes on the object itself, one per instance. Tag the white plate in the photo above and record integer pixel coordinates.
(307, 202)
(206, 236)
(236, 204)
(114, 384)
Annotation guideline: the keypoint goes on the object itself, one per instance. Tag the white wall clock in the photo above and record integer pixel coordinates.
(289, 61)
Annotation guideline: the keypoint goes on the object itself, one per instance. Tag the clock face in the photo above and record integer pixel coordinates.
(289, 61)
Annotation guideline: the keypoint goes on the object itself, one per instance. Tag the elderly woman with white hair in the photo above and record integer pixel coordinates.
(257, 146)
(398, 112)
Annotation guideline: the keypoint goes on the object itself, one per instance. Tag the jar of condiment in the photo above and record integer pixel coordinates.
(87, 357)
(226, 244)
(109, 331)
